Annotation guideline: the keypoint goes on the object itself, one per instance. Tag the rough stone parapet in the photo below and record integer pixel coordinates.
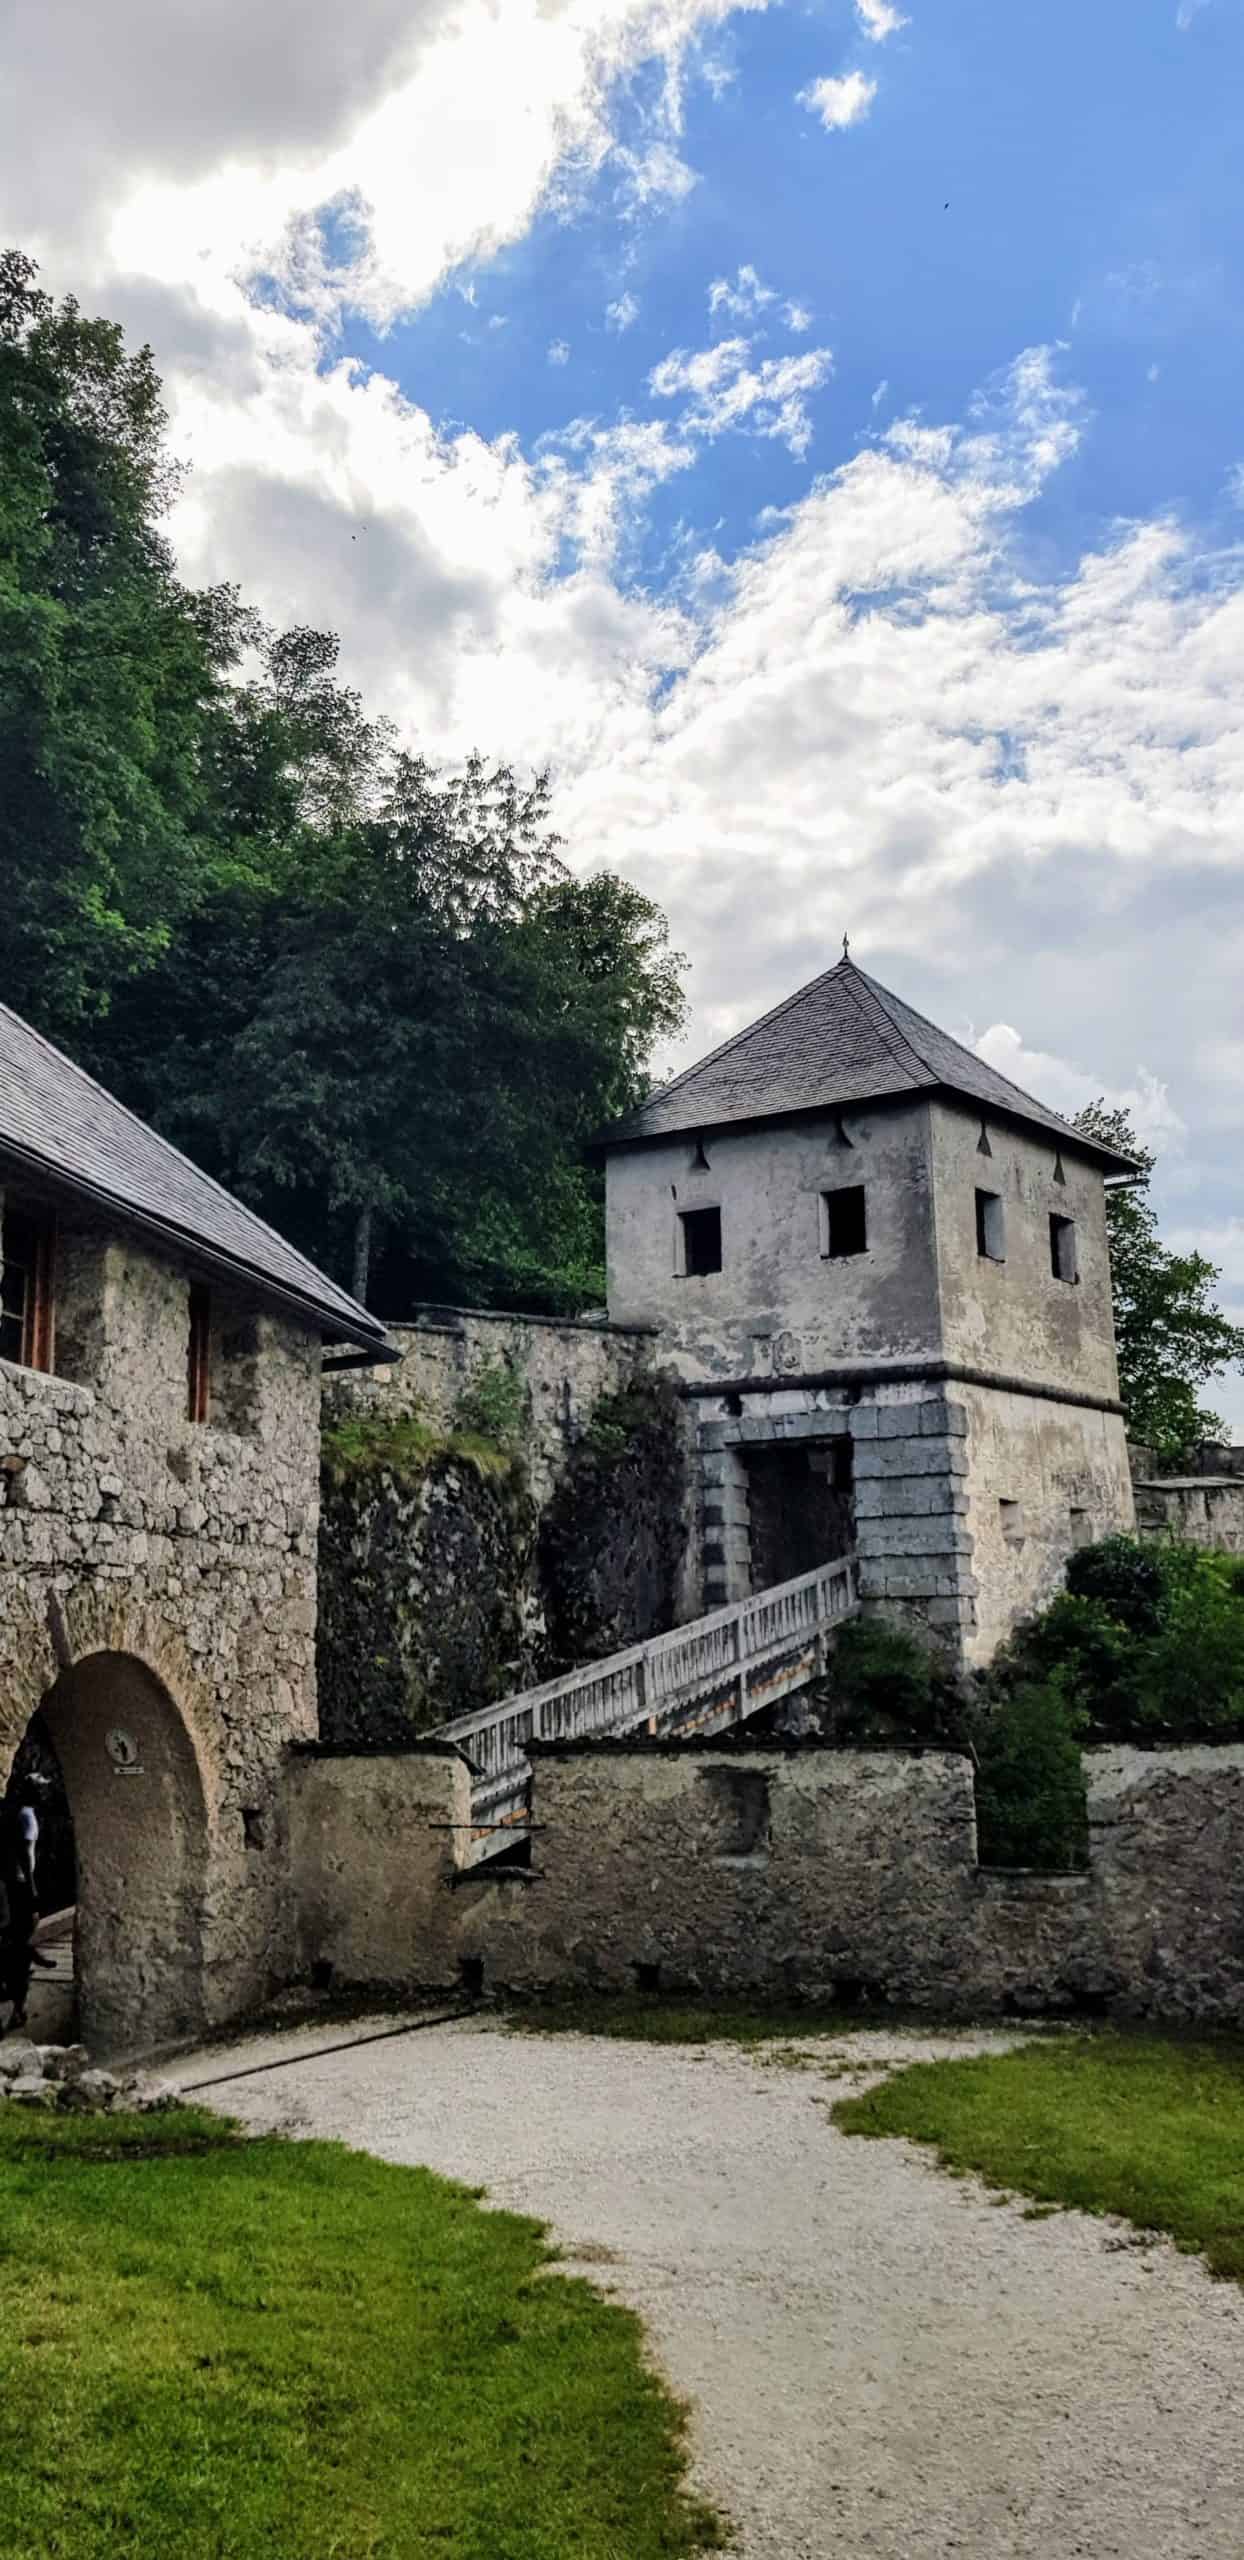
(792, 1871)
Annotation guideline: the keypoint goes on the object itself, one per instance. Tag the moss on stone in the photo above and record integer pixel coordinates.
(360, 1446)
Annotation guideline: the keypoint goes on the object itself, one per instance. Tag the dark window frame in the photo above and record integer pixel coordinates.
(843, 1235)
(1064, 1249)
(199, 1353)
(990, 1227)
(700, 1245)
(28, 1250)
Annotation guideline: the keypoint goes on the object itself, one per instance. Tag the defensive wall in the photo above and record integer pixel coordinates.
(1201, 1502)
(779, 1871)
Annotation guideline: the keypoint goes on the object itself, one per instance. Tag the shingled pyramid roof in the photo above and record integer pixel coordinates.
(60, 1127)
(841, 1040)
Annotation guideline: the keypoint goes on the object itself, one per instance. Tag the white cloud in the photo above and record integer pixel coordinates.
(878, 19)
(1066, 1088)
(839, 103)
(444, 128)
(1187, 12)
(657, 175)
(798, 318)
(742, 299)
(623, 313)
(559, 351)
(726, 390)
(879, 394)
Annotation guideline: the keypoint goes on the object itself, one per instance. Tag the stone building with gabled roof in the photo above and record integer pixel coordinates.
(160, 1359)
(881, 1271)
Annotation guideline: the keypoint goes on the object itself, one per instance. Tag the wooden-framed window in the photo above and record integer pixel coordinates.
(199, 1353)
(27, 1284)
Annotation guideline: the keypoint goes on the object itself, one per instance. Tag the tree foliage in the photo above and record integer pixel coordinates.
(1171, 1337)
(366, 993)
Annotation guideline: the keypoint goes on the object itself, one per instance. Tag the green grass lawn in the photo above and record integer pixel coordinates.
(216, 2349)
(1148, 2127)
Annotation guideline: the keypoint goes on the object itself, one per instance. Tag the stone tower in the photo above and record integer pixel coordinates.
(880, 1270)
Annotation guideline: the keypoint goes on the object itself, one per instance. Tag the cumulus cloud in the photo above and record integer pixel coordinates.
(215, 144)
(840, 102)
(725, 389)
(742, 299)
(798, 318)
(622, 314)
(1067, 1087)
(559, 351)
(878, 19)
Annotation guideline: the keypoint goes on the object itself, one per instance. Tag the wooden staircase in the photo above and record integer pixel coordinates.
(697, 1679)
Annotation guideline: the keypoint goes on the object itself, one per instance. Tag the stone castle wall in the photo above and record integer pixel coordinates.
(1201, 1504)
(452, 1576)
(780, 1873)
(563, 1368)
(157, 1584)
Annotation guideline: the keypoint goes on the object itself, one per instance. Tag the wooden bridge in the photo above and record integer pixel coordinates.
(697, 1679)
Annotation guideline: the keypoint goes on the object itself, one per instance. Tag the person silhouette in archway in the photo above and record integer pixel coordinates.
(19, 1849)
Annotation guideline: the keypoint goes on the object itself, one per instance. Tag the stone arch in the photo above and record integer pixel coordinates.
(139, 1815)
(131, 1727)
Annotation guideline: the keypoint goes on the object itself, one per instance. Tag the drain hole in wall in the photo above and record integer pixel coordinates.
(647, 1977)
(471, 1974)
(322, 1974)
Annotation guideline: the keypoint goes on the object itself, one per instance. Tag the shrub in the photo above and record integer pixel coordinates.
(1030, 1802)
(1189, 1677)
(1078, 1642)
(1152, 1650)
(1125, 1578)
(887, 1688)
(493, 1405)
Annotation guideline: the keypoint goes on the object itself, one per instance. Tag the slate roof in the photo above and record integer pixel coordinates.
(843, 1039)
(60, 1126)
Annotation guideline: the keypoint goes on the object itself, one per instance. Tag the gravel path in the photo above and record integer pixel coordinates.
(883, 2364)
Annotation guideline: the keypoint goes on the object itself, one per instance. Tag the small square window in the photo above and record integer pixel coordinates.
(844, 1226)
(1081, 1526)
(990, 1227)
(1011, 1515)
(1063, 1262)
(701, 1242)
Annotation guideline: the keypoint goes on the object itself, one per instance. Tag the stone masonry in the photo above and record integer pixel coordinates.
(781, 1872)
(157, 1601)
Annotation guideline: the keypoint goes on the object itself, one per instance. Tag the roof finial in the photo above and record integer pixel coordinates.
(846, 947)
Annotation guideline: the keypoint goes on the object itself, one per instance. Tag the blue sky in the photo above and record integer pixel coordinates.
(814, 431)
(1060, 175)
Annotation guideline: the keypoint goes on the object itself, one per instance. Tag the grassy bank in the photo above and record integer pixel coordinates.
(1145, 2126)
(230, 2349)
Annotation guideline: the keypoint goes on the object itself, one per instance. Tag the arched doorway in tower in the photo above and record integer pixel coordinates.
(134, 1796)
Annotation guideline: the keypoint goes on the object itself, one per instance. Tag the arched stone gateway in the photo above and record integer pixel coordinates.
(139, 1815)
(173, 1926)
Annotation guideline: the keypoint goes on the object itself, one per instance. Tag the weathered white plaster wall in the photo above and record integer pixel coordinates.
(1064, 1469)
(126, 1530)
(1013, 1316)
(798, 1872)
(778, 1304)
